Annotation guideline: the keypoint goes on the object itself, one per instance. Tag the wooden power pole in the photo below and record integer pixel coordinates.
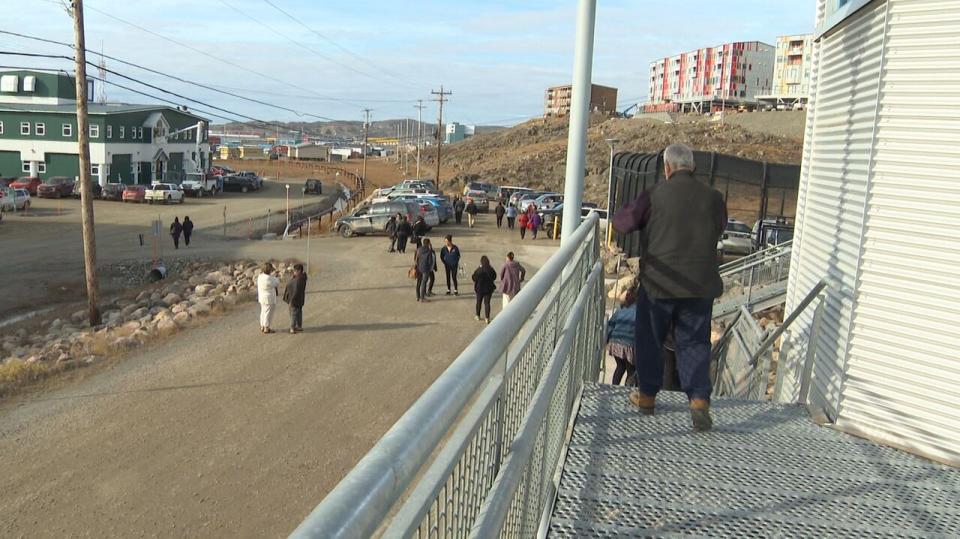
(441, 99)
(86, 193)
(366, 132)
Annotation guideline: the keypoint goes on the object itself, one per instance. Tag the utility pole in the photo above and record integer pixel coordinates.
(366, 129)
(83, 140)
(441, 99)
(406, 145)
(419, 106)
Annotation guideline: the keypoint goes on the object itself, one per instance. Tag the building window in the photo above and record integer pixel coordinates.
(42, 167)
(94, 131)
(25, 167)
(1, 128)
(109, 131)
(140, 133)
(67, 130)
(121, 132)
(40, 129)
(94, 169)
(25, 128)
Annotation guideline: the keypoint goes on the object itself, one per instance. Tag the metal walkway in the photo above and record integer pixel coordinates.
(764, 471)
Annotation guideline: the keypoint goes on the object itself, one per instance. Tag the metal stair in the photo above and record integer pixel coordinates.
(754, 282)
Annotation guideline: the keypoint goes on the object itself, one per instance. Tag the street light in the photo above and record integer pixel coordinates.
(288, 205)
(610, 142)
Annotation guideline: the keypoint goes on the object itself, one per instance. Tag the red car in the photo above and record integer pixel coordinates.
(27, 182)
(134, 193)
(55, 187)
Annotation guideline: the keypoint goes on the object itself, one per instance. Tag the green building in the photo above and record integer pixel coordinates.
(128, 143)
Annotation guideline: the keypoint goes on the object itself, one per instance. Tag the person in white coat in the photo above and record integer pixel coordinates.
(267, 284)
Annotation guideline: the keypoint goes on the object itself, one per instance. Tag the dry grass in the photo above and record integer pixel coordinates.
(17, 372)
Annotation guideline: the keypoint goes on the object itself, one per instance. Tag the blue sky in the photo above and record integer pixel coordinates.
(337, 58)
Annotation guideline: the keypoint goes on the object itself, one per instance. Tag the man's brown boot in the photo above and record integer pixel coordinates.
(700, 414)
(645, 402)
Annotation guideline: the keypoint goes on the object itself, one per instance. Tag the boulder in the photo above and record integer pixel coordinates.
(179, 308)
(171, 299)
(166, 327)
(79, 316)
(125, 343)
(143, 296)
(200, 308)
(131, 326)
(619, 290)
(203, 289)
(56, 324)
(181, 318)
(140, 313)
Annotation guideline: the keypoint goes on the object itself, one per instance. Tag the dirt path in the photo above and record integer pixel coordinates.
(225, 432)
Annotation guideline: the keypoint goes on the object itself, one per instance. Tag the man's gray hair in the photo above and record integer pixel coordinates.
(679, 157)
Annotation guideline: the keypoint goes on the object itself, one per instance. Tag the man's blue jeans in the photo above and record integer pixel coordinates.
(689, 319)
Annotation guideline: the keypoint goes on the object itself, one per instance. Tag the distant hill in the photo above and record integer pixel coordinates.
(339, 129)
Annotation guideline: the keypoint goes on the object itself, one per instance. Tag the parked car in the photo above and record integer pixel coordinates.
(517, 198)
(244, 184)
(737, 238)
(549, 215)
(94, 188)
(134, 193)
(479, 198)
(444, 206)
(165, 193)
(6, 181)
(257, 182)
(312, 187)
(112, 191)
(372, 218)
(30, 183)
(505, 192)
(55, 187)
(542, 201)
(488, 188)
(14, 199)
(769, 232)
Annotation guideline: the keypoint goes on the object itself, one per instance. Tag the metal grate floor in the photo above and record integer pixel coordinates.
(764, 471)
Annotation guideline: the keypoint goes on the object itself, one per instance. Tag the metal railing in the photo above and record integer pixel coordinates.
(744, 353)
(760, 269)
(500, 409)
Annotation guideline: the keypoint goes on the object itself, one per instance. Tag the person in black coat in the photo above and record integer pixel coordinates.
(175, 230)
(425, 261)
(187, 230)
(294, 294)
(404, 231)
(458, 207)
(484, 285)
(392, 232)
(500, 211)
(419, 231)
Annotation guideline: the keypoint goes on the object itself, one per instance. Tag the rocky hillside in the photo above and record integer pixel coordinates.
(533, 153)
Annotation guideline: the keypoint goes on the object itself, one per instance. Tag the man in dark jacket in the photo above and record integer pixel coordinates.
(458, 207)
(450, 256)
(426, 263)
(404, 231)
(187, 230)
(175, 230)
(294, 295)
(472, 211)
(419, 231)
(392, 232)
(500, 211)
(680, 220)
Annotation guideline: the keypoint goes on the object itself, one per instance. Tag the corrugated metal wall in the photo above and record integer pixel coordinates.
(834, 180)
(903, 371)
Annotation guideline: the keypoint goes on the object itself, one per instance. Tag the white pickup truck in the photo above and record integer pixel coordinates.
(198, 185)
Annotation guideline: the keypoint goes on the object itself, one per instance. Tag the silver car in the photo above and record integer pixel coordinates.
(372, 218)
(737, 238)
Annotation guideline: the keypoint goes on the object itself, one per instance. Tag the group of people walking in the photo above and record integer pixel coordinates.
(177, 228)
(399, 230)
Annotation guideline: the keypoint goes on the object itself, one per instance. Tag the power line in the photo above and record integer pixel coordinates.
(331, 41)
(207, 54)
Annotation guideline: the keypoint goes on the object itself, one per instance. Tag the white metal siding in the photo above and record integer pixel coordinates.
(834, 180)
(903, 370)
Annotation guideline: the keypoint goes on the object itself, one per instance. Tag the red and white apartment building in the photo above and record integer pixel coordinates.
(709, 79)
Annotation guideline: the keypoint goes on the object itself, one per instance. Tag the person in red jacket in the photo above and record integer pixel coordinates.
(522, 221)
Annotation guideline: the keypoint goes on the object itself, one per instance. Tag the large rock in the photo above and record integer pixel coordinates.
(171, 299)
(181, 318)
(619, 290)
(143, 296)
(140, 313)
(131, 326)
(166, 327)
(201, 308)
(56, 324)
(218, 278)
(125, 343)
(203, 289)
(79, 316)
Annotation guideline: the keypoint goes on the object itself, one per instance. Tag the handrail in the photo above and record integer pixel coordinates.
(362, 499)
(501, 497)
(756, 258)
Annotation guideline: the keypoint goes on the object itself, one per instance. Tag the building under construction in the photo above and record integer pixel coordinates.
(557, 100)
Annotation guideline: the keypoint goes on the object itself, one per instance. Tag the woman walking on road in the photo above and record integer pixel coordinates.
(187, 230)
(267, 284)
(425, 262)
(524, 217)
(471, 213)
(511, 277)
(484, 285)
(392, 232)
(500, 211)
(175, 229)
(534, 221)
(404, 231)
(511, 212)
(620, 337)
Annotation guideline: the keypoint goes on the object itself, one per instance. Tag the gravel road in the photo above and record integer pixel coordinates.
(224, 432)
